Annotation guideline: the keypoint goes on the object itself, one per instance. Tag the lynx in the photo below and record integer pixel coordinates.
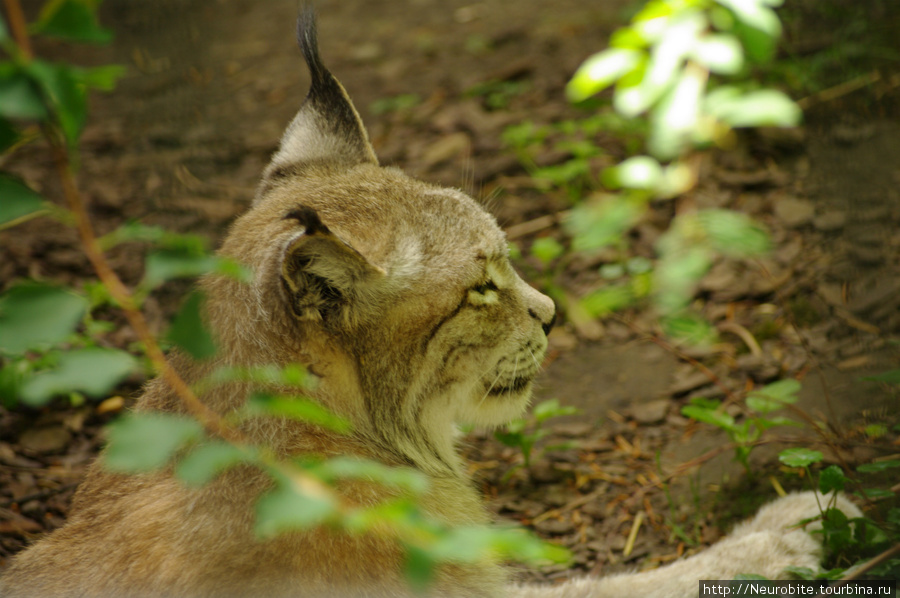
(399, 296)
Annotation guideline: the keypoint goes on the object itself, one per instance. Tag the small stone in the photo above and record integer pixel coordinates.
(830, 221)
(556, 527)
(651, 412)
(793, 212)
(45, 440)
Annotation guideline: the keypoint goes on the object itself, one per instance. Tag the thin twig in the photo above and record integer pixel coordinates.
(19, 27)
(860, 571)
(211, 421)
(833, 93)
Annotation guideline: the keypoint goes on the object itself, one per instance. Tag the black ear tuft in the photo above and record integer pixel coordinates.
(309, 45)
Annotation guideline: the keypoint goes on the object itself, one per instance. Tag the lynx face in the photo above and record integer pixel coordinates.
(399, 294)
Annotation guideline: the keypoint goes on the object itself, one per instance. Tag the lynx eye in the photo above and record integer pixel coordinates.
(485, 287)
(485, 293)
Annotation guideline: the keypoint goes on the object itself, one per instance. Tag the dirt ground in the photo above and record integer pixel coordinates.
(212, 83)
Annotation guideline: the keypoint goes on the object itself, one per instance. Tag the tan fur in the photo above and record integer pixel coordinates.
(399, 296)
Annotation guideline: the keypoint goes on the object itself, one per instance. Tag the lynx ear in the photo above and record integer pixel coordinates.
(327, 128)
(324, 276)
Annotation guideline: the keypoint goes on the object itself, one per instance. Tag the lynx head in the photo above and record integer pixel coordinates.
(398, 294)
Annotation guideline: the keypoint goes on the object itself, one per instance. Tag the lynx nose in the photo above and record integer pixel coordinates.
(548, 325)
(545, 326)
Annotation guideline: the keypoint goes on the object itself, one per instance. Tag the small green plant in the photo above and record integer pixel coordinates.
(497, 95)
(849, 541)
(759, 403)
(524, 434)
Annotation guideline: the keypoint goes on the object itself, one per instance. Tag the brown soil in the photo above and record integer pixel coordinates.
(211, 84)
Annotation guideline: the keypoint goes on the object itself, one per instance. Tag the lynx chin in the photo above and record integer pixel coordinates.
(400, 297)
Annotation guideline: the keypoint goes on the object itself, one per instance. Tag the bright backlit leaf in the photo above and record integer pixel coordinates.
(638, 172)
(761, 108)
(756, 13)
(676, 116)
(719, 53)
(600, 71)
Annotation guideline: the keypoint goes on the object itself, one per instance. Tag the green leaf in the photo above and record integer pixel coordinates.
(103, 78)
(8, 137)
(188, 331)
(801, 572)
(600, 71)
(92, 371)
(774, 396)
(714, 417)
(73, 20)
(755, 14)
(799, 457)
(551, 408)
(137, 231)
(890, 377)
(607, 300)
(679, 270)
(298, 408)
(759, 45)
(208, 460)
(878, 466)
(720, 53)
(418, 569)
(733, 234)
(599, 223)
(18, 200)
(20, 99)
(288, 507)
(547, 249)
(832, 478)
(64, 94)
(405, 478)
(876, 493)
(166, 264)
(761, 108)
(35, 315)
(146, 441)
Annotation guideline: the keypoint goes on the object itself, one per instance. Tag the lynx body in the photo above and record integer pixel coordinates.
(399, 296)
